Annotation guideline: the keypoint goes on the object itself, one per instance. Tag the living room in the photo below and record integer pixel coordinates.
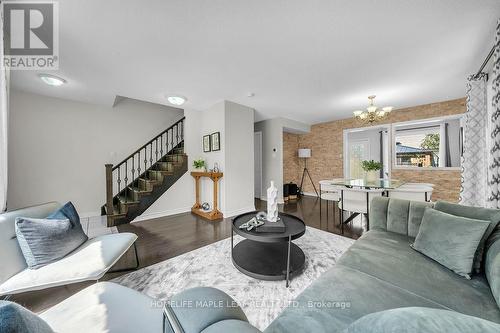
(186, 167)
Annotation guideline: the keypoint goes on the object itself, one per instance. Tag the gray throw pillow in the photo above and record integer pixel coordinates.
(14, 318)
(417, 319)
(479, 213)
(43, 241)
(450, 240)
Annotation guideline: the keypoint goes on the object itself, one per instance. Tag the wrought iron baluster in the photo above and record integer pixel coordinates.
(145, 161)
(138, 168)
(177, 141)
(126, 182)
(161, 145)
(133, 170)
(150, 155)
(119, 181)
(166, 141)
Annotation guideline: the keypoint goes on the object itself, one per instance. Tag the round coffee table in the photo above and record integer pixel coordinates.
(265, 255)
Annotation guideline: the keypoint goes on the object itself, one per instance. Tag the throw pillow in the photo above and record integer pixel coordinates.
(14, 318)
(419, 319)
(479, 213)
(43, 241)
(450, 240)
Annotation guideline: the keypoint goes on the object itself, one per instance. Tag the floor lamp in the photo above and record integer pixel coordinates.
(305, 154)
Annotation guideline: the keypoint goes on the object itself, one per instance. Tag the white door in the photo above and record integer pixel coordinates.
(358, 151)
(257, 143)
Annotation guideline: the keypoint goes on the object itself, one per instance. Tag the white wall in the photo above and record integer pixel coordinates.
(58, 148)
(239, 156)
(235, 160)
(272, 150)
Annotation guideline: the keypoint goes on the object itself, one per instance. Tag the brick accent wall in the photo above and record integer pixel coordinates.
(326, 143)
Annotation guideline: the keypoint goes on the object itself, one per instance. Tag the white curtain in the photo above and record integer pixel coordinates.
(475, 154)
(494, 157)
(4, 116)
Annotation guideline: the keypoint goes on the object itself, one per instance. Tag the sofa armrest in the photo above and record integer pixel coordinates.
(396, 215)
(197, 309)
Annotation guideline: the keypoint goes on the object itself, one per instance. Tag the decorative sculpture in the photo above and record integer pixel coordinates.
(272, 203)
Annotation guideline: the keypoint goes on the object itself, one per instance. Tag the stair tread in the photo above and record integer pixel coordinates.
(138, 189)
(127, 200)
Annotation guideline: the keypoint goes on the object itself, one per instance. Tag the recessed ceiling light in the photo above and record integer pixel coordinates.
(52, 80)
(176, 100)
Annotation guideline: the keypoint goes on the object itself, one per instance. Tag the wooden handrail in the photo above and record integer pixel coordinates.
(148, 143)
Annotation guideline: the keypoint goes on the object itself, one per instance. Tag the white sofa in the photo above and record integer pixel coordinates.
(89, 262)
(106, 307)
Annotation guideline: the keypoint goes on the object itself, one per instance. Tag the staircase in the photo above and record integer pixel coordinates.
(140, 179)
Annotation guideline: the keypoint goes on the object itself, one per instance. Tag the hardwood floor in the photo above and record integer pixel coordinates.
(163, 238)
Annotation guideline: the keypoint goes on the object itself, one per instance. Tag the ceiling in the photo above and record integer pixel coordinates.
(310, 61)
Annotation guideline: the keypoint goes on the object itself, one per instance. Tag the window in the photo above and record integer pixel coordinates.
(358, 152)
(428, 144)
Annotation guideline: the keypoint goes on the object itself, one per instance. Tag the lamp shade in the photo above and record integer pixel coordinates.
(305, 153)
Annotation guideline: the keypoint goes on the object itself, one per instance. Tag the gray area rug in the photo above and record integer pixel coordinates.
(211, 266)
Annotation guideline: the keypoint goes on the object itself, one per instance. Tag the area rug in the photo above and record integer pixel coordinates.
(211, 266)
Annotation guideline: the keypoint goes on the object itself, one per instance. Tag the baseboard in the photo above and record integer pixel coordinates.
(238, 211)
(310, 194)
(164, 213)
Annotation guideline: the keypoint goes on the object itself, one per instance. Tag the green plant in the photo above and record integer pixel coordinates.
(371, 165)
(431, 142)
(199, 163)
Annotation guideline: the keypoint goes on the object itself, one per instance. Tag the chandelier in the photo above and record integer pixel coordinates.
(372, 113)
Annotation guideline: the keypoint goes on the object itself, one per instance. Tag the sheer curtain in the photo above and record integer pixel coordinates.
(494, 157)
(4, 113)
(475, 155)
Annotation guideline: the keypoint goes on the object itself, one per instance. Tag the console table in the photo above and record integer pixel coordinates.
(215, 213)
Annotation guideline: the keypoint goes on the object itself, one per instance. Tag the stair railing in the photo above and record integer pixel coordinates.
(128, 171)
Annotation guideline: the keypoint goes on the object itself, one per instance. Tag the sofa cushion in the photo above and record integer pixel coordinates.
(68, 211)
(339, 297)
(492, 215)
(387, 256)
(43, 241)
(450, 240)
(196, 309)
(14, 318)
(492, 266)
(106, 307)
(13, 260)
(416, 319)
(89, 262)
(231, 326)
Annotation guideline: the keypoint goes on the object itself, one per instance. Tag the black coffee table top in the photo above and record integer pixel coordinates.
(294, 227)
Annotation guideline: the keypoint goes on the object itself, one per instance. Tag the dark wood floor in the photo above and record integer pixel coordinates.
(163, 238)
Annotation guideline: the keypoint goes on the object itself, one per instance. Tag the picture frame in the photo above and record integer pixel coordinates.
(206, 144)
(215, 141)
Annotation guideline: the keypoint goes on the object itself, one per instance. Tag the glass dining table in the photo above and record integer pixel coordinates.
(336, 185)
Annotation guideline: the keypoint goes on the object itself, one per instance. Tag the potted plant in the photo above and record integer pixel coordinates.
(199, 165)
(372, 170)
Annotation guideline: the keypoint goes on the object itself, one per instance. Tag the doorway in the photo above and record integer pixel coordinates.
(368, 143)
(257, 143)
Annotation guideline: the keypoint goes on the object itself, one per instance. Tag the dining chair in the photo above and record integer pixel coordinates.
(328, 192)
(356, 201)
(414, 192)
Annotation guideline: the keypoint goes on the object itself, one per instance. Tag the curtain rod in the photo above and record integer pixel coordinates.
(485, 62)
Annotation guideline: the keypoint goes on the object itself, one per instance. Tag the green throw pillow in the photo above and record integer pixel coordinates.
(479, 213)
(450, 240)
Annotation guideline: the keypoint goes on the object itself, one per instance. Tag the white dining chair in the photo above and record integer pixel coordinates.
(414, 192)
(357, 201)
(328, 192)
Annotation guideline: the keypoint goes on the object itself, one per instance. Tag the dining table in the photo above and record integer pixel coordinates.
(385, 184)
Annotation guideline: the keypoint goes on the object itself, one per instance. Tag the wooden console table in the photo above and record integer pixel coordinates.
(215, 213)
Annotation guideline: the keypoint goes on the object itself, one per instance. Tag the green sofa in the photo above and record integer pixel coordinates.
(381, 272)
